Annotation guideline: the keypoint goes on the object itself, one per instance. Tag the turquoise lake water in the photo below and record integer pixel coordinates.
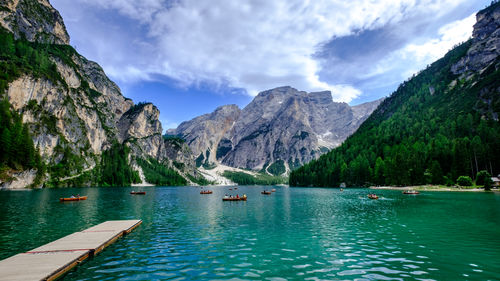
(293, 234)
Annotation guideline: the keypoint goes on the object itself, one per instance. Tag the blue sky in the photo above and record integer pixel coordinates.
(189, 56)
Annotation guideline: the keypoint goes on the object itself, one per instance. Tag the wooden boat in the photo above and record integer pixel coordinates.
(206, 192)
(243, 198)
(73, 198)
(273, 190)
(265, 192)
(411, 192)
(372, 196)
(230, 189)
(138, 192)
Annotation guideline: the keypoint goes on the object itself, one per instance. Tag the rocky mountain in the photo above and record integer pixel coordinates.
(34, 20)
(440, 125)
(73, 110)
(279, 130)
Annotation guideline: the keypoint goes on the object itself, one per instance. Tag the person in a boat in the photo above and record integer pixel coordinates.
(237, 196)
(72, 196)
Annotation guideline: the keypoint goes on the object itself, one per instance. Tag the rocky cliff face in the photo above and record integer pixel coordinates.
(486, 42)
(279, 130)
(204, 133)
(482, 58)
(35, 20)
(83, 113)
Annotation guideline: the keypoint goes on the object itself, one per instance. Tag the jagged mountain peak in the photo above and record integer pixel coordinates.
(35, 20)
(281, 125)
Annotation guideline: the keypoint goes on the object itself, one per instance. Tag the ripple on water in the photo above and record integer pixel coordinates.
(307, 234)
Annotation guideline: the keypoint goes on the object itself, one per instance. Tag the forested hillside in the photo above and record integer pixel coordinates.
(440, 124)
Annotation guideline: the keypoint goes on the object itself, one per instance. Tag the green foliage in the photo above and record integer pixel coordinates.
(174, 138)
(136, 108)
(483, 177)
(199, 160)
(114, 167)
(464, 181)
(277, 168)
(69, 164)
(199, 180)
(209, 166)
(17, 150)
(429, 129)
(20, 57)
(242, 178)
(159, 174)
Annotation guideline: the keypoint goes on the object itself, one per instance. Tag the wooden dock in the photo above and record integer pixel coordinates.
(52, 260)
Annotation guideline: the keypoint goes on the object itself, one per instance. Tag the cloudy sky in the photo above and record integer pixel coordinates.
(190, 56)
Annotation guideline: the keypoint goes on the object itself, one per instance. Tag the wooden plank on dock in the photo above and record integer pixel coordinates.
(50, 261)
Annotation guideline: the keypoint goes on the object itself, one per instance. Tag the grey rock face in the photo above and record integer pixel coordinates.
(204, 133)
(36, 20)
(87, 113)
(283, 126)
(485, 48)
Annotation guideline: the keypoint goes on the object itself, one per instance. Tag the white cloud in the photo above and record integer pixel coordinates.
(414, 57)
(256, 44)
(167, 124)
(449, 35)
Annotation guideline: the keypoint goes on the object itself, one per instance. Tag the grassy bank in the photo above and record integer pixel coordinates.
(434, 188)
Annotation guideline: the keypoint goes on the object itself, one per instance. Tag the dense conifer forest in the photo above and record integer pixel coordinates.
(434, 128)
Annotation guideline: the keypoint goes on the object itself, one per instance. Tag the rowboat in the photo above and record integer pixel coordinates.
(73, 198)
(206, 192)
(411, 192)
(273, 190)
(243, 198)
(265, 192)
(372, 196)
(138, 192)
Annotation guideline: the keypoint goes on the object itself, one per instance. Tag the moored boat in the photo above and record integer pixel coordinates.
(411, 192)
(78, 198)
(227, 198)
(138, 192)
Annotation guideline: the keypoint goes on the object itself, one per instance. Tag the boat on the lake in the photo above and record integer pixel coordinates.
(233, 198)
(265, 192)
(273, 190)
(411, 192)
(206, 192)
(138, 192)
(372, 196)
(72, 198)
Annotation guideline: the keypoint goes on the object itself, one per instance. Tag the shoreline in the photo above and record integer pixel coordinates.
(430, 188)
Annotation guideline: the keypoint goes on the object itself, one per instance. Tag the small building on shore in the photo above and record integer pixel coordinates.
(496, 181)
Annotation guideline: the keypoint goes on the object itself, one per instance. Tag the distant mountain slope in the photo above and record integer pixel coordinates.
(84, 129)
(279, 130)
(440, 124)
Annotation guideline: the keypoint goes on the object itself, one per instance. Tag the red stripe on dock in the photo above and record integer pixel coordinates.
(57, 251)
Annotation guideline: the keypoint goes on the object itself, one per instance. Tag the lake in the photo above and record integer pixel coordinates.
(295, 233)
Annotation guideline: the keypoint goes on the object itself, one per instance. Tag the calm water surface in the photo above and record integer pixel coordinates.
(295, 233)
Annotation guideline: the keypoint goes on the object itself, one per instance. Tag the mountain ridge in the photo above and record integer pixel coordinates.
(280, 126)
(437, 126)
(74, 112)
